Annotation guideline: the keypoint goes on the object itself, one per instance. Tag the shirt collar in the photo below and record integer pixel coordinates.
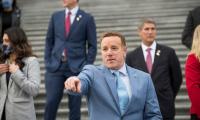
(153, 46)
(73, 11)
(121, 70)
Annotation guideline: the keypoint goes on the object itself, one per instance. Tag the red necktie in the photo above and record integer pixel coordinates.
(67, 23)
(149, 60)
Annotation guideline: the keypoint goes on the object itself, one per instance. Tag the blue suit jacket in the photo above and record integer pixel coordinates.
(98, 84)
(81, 43)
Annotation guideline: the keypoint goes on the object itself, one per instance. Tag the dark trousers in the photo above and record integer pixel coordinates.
(54, 84)
(3, 117)
(194, 117)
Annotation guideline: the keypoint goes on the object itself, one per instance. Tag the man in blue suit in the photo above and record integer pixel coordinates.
(70, 44)
(105, 98)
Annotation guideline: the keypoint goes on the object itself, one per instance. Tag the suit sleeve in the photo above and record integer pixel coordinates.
(152, 109)
(91, 40)
(128, 59)
(49, 43)
(175, 72)
(188, 31)
(17, 18)
(29, 83)
(86, 76)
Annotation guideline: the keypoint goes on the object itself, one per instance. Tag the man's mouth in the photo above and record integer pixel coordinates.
(110, 60)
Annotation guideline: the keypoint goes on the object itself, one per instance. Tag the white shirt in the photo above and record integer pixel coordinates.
(73, 13)
(124, 77)
(153, 50)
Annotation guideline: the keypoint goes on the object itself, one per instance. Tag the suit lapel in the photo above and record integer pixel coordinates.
(156, 58)
(61, 21)
(110, 80)
(10, 82)
(141, 60)
(132, 77)
(3, 82)
(76, 21)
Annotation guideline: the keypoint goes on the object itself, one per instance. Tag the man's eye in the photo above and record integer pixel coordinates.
(114, 48)
(104, 49)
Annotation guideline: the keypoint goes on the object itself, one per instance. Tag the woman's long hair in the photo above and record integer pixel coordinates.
(19, 43)
(196, 42)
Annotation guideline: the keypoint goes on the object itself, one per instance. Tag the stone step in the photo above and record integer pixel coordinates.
(117, 14)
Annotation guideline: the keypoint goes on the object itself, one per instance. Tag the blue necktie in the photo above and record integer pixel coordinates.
(122, 92)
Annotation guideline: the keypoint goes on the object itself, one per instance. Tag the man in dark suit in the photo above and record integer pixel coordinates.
(163, 65)
(70, 44)
(193, 19)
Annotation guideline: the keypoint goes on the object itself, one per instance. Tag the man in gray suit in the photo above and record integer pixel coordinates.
(114, 90)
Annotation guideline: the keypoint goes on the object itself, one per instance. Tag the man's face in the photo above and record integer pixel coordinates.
(69, 3)
(148, 33)
(113, 53)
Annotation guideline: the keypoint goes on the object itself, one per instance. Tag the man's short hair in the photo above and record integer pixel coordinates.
(146, 20)
(111, 34)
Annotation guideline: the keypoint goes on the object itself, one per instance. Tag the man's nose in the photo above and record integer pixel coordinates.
(109, 52)
(150, 31)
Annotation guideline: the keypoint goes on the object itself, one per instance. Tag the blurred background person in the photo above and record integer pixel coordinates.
(161, 62)
(70, 45)
(20, 79)
(193, 19)
(9, 15)
(192, 75)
